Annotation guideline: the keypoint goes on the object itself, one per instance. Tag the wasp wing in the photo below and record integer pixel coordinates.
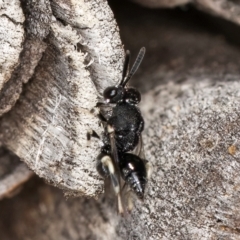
(115, 158)
(114, 151)
(139, 150)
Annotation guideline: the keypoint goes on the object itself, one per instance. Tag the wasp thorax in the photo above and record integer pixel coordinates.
(132, 96)
(113, 94)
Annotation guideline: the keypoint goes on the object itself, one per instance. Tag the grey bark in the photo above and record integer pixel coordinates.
(192, 140)
(66, 46)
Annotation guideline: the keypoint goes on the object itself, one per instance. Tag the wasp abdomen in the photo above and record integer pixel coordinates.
(133, 171)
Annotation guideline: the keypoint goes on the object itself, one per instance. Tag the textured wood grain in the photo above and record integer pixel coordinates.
(68, 46)
(194, 189)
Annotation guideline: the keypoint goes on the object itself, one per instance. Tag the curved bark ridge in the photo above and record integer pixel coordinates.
(47, 128)
(11, 39)
(100, 38)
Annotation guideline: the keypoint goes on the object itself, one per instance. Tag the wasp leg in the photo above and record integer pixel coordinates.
(90, 134)
(101, 117)
(108, 169)
(149, 169)
(129, 197)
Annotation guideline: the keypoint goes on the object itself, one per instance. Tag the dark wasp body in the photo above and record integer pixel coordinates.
(127, 122)
(122, 134)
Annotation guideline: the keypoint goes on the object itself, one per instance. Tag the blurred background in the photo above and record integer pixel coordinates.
(179, 41)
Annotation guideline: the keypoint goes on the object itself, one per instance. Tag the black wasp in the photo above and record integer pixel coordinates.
(122, 134)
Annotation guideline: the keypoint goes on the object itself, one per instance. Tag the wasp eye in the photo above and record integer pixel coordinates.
(113, 94)
(110, 93)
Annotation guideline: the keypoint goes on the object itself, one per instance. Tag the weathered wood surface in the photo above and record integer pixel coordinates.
(66, 46)
(190, 79)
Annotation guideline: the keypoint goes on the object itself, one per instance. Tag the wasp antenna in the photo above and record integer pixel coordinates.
(135, 65)
(125, 66)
